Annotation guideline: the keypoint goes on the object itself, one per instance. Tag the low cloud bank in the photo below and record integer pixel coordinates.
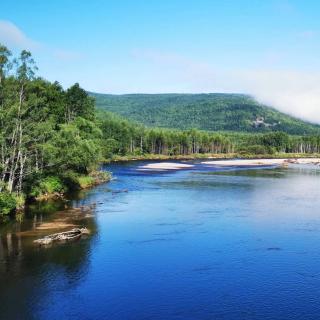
(294, 92)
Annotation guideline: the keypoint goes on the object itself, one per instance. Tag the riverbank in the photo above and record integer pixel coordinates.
(226, 156)
(50, 188)
(262, 162)
(58, 187)
(237, 163)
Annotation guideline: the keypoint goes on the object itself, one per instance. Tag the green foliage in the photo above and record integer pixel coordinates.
(256, 150)
(20, 200)
(78, 104)
(8, 202)
(76, 181)
(212, 112)
(278, 140)
(44, 131)
(48, 185)
(85, 181)
(4, 61)
(122, 137)
(76, 146)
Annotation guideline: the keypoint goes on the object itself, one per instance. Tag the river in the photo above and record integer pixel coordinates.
(186, 244)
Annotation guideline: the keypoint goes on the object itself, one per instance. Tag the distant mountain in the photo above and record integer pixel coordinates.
(214, 111)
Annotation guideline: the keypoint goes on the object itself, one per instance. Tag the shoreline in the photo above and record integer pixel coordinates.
(224, 156)
(235, 163)
(83, 182)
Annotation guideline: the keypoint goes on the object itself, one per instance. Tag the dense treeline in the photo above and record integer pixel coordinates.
(211, 112)
(275, 142)
(52, 140)
(123, 137)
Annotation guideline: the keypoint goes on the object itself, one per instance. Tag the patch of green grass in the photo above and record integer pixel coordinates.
(76, 181)
(94, 178)
(85, 181)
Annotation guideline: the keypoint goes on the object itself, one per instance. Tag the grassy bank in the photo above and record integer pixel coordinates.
(50, 187)
(57, 186)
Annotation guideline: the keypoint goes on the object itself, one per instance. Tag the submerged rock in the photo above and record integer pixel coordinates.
(119, 191)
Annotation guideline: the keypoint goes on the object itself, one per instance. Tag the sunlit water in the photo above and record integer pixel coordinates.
(189, 244)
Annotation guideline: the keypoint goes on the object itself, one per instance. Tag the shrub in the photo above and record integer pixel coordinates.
(48, 185)
(70, 180)
(75, 181)
(8, 202)
(94, 178)
(20, 201)
(85, 181)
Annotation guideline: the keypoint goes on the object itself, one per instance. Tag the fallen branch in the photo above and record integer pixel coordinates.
(73, 234)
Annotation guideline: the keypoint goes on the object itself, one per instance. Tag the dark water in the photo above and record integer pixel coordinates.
(184, 245)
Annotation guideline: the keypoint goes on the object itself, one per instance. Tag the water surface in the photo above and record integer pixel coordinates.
(190, 244)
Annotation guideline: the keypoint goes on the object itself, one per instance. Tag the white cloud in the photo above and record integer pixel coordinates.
(293, 92)
(13, 37)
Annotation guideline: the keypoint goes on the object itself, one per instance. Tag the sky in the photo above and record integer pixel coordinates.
(267, 48)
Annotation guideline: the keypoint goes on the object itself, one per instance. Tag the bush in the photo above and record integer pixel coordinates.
(75, 181)
(70, 180)
(20, 201)
(85, 181)
(48, 185)
(8, 202)
(94, 178)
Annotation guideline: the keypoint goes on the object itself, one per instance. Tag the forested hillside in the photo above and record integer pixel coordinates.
(214, 112)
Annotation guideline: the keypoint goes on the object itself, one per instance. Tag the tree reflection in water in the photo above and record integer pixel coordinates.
(27, 271)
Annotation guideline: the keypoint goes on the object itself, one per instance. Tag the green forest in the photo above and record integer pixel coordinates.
(53, 140)
(212, 112)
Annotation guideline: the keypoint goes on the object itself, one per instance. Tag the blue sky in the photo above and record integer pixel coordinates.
(269, 49)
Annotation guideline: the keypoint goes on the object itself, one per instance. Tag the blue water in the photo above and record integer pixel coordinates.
(190, 244)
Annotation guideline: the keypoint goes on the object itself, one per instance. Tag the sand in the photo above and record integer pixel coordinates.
(165, 166)
(54, 225)
(262, 162)
(315, 161)
(246, 162)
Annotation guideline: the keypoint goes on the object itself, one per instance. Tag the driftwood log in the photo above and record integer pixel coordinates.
(70, 235)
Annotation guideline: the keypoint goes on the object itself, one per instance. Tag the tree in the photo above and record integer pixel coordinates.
(5, 63)
(78, 104)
